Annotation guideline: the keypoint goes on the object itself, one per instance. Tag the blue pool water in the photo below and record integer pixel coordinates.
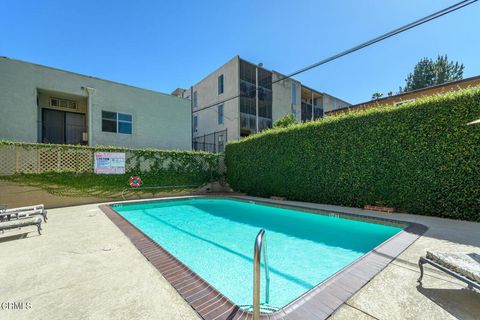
(215, 237)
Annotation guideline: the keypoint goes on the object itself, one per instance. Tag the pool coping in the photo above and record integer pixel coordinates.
(317, 303)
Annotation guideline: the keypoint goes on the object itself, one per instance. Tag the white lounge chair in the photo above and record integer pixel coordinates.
(463, 266)
(20, 223)
(23, 212)
(27, 208)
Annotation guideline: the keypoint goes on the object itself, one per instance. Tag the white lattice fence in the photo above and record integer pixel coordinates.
(33, 158)
(28, 159)
(8, 161)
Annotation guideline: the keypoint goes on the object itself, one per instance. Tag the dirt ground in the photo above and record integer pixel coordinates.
(16, 195)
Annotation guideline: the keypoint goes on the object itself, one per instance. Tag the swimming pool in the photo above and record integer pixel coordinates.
(214, 238)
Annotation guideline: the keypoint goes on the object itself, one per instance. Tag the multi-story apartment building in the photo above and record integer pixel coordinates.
(224, 104)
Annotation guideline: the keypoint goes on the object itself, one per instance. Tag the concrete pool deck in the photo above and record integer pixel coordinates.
(83, 267)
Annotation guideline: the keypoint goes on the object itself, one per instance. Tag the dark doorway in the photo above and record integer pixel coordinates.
(61, 127)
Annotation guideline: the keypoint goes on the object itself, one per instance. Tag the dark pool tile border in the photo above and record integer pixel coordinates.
(318, 303)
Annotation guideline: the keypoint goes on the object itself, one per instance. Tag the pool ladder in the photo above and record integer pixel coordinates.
(260, 244)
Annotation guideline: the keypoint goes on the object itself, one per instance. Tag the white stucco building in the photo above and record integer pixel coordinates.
(224, 103)
(40, 104)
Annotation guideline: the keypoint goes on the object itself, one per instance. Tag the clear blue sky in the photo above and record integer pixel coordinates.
(162, 45)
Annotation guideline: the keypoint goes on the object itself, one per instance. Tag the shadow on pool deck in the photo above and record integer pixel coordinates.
(16, 237)
(450, 299)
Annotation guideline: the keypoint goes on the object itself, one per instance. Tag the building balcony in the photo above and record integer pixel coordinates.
(248, 123)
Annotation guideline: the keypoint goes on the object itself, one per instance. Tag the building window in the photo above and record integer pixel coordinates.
(195, 123)
(220, 114)
(195, 99)
(220, 84)
(124, 123)
(116, 122)
(109, 121)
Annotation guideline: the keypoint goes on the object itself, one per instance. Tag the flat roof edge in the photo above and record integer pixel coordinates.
(89, 77)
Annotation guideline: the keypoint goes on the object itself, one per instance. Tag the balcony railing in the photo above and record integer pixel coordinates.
(247, 89)
(248, 121)
(307, 111)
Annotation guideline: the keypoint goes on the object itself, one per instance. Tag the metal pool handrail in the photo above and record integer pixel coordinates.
(260, 244)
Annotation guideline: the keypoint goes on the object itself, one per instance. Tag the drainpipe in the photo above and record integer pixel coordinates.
(90, 92)
(256, 100)
(313, 108)
(191, 116)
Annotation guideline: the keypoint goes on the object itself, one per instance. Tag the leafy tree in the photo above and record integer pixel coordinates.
(428, 73)
(446, 71)
(377, 95)
(285, 121)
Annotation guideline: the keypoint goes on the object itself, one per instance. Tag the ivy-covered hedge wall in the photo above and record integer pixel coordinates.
(420, 157)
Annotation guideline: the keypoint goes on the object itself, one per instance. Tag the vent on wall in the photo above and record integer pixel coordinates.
(62, 103)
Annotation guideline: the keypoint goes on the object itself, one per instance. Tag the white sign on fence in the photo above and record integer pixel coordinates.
(110, 162)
